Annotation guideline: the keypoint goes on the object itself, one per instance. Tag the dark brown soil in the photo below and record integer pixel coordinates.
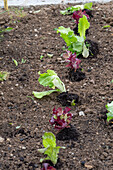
(66, 98)
(76, 76)
(34, 35)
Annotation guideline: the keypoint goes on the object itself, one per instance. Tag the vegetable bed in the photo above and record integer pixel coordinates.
(33, 45)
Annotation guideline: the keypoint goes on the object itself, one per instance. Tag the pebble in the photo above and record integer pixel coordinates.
(23, 147)
(2, 94)
(105, 154)
(30, 12)
(81, 113)
(1, 139)
(16, 85)
(88, 166)
(21, 159)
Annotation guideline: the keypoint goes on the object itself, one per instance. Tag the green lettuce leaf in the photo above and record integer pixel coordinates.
(88, 6)
(85, 51)
(71, 9)
(83, 26)
(39, 95)
(50, 149)
(52, 80)
(49, 139)
(46, 79)
(109, 107)
(67, 34)
(74, 43)
(4, 75)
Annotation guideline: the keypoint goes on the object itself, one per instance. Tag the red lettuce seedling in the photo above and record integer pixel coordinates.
(46, 166)
(60, 118)
(79, 14)
(72, 60)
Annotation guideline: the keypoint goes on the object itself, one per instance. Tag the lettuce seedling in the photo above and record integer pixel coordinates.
(15, 61)
(7, 29)
(72, 9)
(73, 42)
(109, 107)
(52, 80)
(61, 119)
(50, 149)
(4, 75)
(79, 14)
(72, 60)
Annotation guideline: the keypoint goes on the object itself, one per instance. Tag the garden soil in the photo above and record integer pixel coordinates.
(24, 119)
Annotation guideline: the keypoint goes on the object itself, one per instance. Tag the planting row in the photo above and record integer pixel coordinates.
(78, 46)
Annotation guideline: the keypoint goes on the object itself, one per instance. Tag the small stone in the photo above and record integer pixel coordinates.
(83, 163)
(30, 12)
(16, 85)
(35, 30)
(105, 154)
(8, 139)
(2, 94)
(23, 147)
(1, 139)
(88, 166)
(21, 159)
(81, 113)
(35, 165)
(35, 101)
(59, 59)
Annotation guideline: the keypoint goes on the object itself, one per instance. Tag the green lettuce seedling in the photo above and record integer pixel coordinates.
(109, 107)
(4, 75)
(71, 9)
(52, 80)
(76, 44)
(50, 149)
(106, 26)
(15, 61)
(8, 29)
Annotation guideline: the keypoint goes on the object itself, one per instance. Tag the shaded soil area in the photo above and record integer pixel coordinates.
(23, 120)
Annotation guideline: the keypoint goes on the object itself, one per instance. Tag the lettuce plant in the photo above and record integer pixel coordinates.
(72, 60)
(52, 80)
(73, 42)
(61, 118)
(79, 14)
(50, 149)
(72, 9)
(109, 108)
(6, 29)
(4, 75)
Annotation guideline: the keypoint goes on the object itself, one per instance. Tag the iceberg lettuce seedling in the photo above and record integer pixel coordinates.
(109, 107)
(50, 149)
(52, 80)
(76, 44)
